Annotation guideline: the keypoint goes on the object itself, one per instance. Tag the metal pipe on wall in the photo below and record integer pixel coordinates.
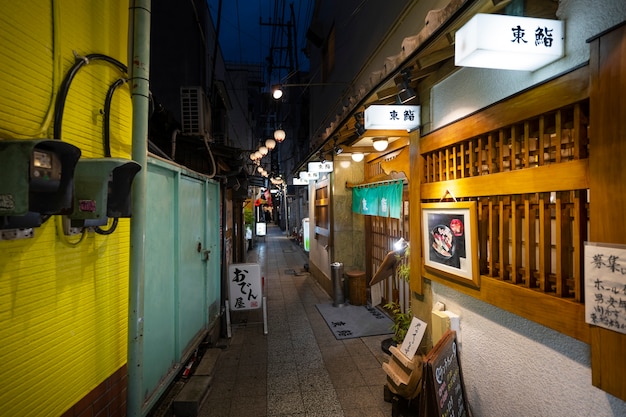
(139, 58)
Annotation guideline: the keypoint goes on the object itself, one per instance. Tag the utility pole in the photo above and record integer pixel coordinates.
(289, 27)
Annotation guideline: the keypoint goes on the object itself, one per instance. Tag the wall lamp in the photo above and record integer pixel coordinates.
(405, 92)
(358, 124)
(400, 246)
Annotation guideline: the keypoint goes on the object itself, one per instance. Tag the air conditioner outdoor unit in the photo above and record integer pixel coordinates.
(195, 111)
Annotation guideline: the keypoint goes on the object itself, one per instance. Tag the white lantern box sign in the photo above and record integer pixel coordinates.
(309, 176)
(326, 166)
(509, 42)
(392, 117)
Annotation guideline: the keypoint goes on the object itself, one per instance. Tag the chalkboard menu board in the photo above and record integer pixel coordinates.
(443, 391)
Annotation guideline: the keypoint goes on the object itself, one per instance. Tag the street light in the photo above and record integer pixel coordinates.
(277, 89)
(277, 92)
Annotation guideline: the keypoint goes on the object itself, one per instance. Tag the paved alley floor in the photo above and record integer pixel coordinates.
(298, 369)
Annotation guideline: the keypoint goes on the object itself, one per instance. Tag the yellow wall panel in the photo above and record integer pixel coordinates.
(26, 68)
(63, 309)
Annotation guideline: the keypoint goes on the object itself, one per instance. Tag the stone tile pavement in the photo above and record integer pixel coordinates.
(298, 369)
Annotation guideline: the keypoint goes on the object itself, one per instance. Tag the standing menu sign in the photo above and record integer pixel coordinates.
(443, 391)
(245, 289)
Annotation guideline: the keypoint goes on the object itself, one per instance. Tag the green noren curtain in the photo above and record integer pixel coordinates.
(383, 199)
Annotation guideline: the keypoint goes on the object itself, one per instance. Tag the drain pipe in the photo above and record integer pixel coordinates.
(139, 57)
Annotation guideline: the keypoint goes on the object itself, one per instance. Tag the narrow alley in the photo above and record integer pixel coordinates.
(298, 368)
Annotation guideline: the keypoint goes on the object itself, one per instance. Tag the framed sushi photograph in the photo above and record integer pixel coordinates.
(450, 241)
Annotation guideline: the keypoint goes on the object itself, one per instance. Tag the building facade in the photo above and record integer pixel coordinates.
(518, 149)
(81, 303)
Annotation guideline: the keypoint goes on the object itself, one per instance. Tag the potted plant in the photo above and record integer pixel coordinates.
(401, 319)
(401, 322)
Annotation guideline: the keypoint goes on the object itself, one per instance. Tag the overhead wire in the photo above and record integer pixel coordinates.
(239, 31)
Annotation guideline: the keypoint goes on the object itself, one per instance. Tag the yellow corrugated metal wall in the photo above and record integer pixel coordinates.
(63, 309)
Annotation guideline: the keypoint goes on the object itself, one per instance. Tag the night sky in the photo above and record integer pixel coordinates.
(244, 40)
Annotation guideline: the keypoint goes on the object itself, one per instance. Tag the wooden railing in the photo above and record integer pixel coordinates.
(531, 239)
(524, 161)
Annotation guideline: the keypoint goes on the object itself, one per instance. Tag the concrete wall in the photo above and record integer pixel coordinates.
(514, 367)
(348, 228)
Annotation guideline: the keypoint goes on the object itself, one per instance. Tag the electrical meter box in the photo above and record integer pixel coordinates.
(102, 190)
(37, 178)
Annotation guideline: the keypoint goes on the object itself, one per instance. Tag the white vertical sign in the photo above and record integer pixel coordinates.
(245, 286)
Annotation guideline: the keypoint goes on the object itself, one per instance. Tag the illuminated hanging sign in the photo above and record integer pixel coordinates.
(392, 117)
(300, 181)
(310, 176)
(509, 42)
(325, 166)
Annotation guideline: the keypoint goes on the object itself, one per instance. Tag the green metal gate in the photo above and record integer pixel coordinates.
(182, 271)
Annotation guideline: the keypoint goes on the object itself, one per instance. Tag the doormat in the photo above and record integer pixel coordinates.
(349, 322)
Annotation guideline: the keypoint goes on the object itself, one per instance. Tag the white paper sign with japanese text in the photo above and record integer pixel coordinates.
(605, 286)
(413, 337)
(245, 286)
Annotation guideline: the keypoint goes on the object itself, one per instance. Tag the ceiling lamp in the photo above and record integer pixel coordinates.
(270, 144)
(252, 157)
(279, 135)
(358, 156)
(380, 144)
(509, 42)
(258, 155)
(264, 150)
(260, 169)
